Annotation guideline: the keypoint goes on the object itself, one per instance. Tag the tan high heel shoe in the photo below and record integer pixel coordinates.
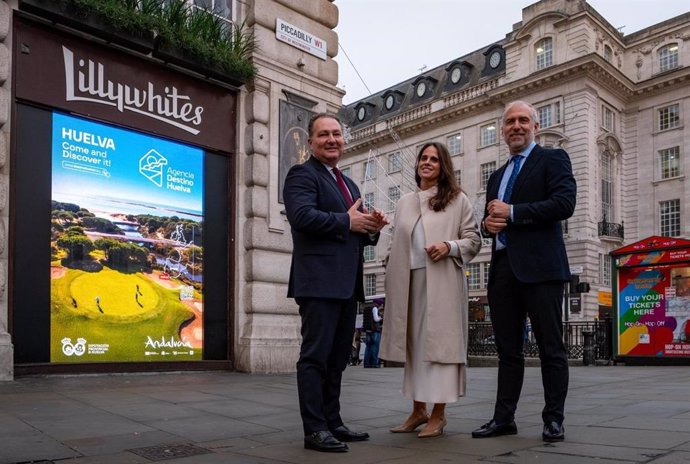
(408, 428)
(428, 432)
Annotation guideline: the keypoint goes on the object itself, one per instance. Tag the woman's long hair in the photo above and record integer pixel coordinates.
(448, 187)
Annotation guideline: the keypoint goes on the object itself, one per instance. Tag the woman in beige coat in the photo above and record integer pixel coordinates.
(425, 327)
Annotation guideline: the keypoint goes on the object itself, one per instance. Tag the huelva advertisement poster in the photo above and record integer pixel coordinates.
(126, 246)
(654, 311)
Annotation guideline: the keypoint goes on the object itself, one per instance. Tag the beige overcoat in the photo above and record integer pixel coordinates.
(446, 332)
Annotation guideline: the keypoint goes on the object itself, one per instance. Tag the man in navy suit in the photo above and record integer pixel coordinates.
(526, 200)
(329, 231)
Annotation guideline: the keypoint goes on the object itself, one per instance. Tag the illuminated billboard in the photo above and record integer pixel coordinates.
(126, 245)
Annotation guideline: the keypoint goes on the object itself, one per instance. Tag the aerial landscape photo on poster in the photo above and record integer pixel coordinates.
(126, 245)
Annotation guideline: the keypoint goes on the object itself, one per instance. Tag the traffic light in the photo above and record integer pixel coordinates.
(574, 282)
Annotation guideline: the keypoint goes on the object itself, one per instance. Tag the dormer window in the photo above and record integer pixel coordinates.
(494, 60)
(457, 74)
(423, 87)
(391, 100)
(420, 90)
(364, 111)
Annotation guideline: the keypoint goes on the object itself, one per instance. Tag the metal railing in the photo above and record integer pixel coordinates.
(611, 229)
(481, 340)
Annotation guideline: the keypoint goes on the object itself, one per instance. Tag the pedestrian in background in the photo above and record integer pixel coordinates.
(426, 325)
(373, 322)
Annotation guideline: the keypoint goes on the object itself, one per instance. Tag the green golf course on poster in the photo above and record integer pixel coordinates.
(118, 314)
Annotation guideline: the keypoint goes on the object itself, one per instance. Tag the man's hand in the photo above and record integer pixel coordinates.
(499, 209)
(381, 219)
(499, 214)
(363, 223)
(494, 225)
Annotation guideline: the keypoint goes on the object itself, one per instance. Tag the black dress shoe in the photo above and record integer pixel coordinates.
(342, 433)
(553, 431)
(324, 441)
(492, 429)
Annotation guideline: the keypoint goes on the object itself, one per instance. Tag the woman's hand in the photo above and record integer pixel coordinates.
(437, 251)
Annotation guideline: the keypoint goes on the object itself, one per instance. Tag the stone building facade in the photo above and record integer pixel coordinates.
(616, 103)
(293, 80)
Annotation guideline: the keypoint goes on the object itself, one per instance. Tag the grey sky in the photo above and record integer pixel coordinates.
(389, 40)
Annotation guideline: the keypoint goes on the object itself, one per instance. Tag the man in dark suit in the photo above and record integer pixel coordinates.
(526, 201)
(329, 231)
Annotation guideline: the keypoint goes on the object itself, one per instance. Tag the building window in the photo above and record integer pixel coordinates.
(454, 144)
(606, 165)
(369, 170)
(608, 53)
(394, 162)
(669, 218)
(458, 176)
(608, 119)
(669, 160)
(369, 253)
(222, 8)
(346, 171)
(486, 170)
(473, 276)
(369, 201)
(544, 113)
(487, 135)
(369, 284)
(485, 283)
(605, 269)
(668, 57)
(549, 115)
(544, 53)
(669, 117)
(393, 197)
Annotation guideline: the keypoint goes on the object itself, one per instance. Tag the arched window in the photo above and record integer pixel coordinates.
(668, 57)
(608, 53)
(544, 53)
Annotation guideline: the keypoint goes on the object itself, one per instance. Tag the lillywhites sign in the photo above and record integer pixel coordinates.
(87, 80)
(112, 86)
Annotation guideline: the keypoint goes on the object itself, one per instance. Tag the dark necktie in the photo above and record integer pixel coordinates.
(516, 160)
(343, 187)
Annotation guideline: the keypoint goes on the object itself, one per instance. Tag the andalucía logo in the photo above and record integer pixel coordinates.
(76, 349)
(86, 80)
(151, 166)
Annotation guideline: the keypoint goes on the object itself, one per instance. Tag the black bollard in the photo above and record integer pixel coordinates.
(588, 352)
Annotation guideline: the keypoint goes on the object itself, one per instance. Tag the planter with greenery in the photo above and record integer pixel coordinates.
(206, 43)
(130, 23)
(193, 38)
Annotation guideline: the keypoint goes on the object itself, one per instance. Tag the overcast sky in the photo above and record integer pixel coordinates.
(388, 41)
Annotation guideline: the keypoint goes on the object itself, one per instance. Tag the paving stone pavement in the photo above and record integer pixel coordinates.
(614, 414)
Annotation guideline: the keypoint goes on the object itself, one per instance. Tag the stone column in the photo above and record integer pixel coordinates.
(6, 348)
